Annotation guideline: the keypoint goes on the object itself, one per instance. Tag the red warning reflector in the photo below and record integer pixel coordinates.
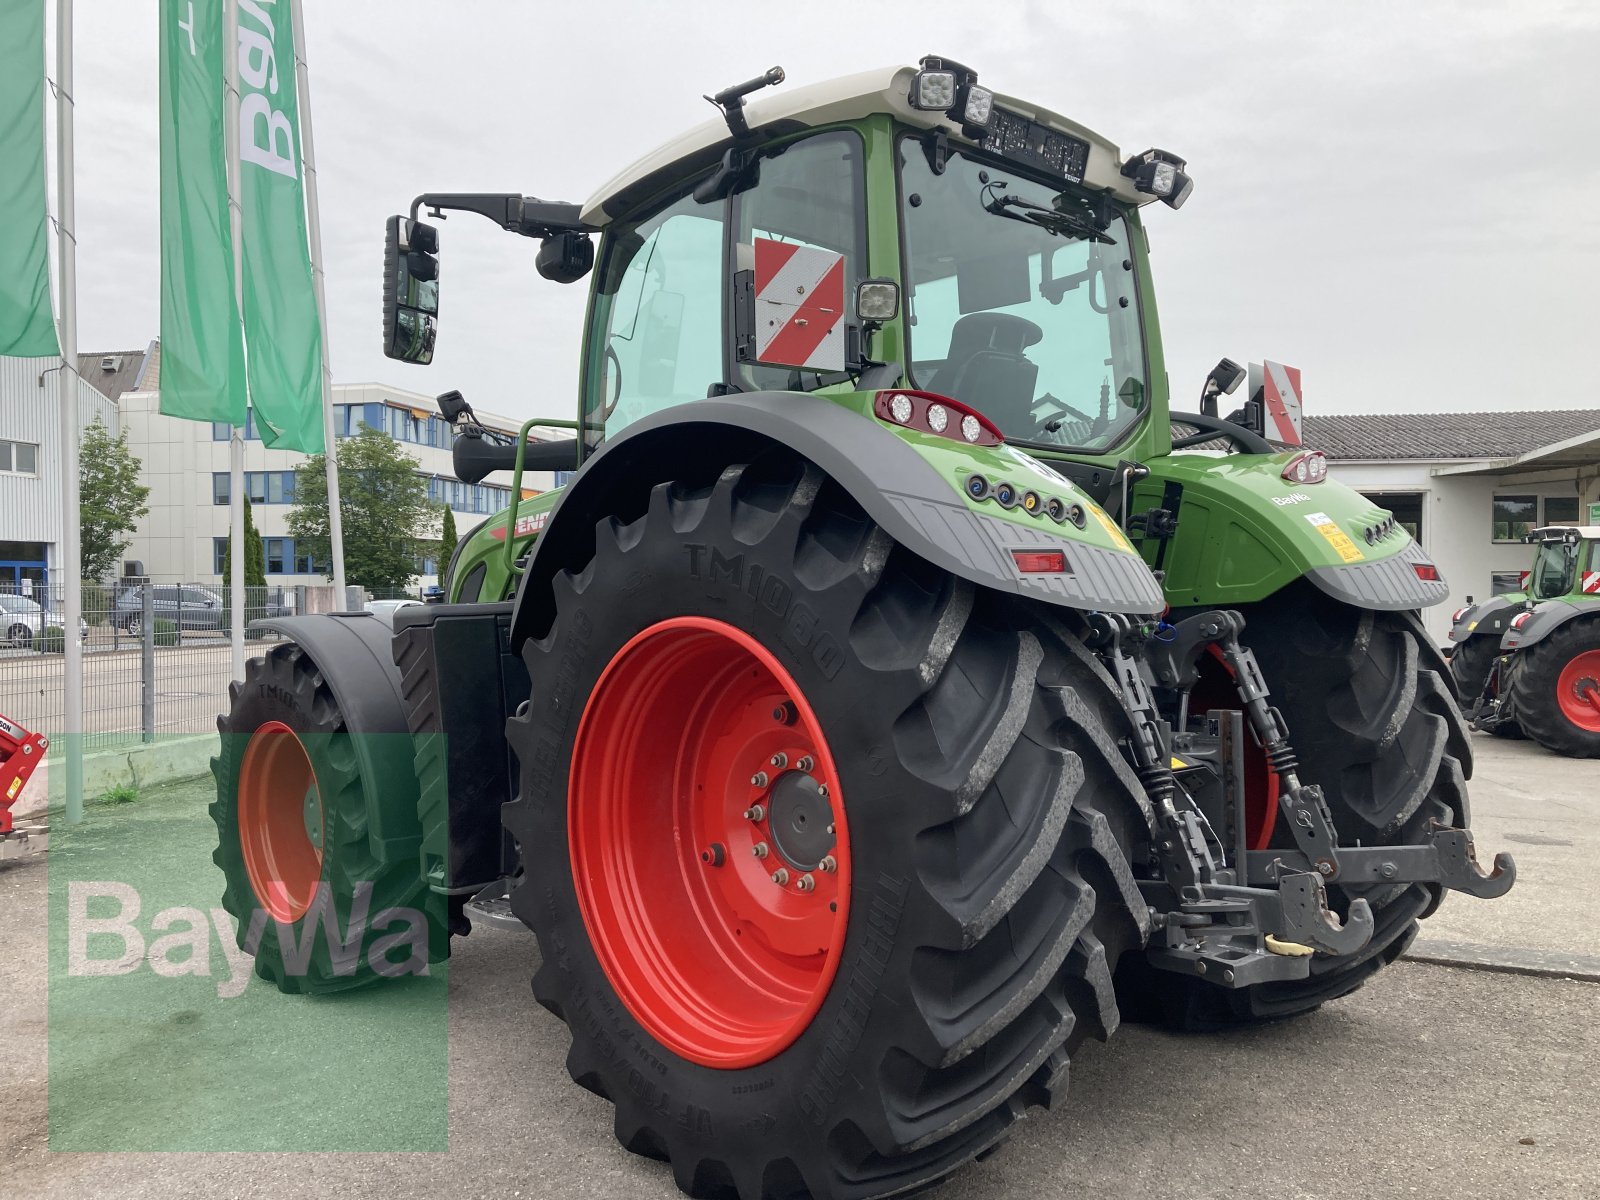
(1040, 562)
(1426, 571)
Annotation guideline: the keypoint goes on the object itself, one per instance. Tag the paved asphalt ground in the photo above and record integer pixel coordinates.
(1434, 1081)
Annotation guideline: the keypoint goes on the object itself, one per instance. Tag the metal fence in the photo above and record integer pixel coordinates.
(156, 657)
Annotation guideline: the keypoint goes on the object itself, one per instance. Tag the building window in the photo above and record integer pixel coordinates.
(1561, 510)
(219, 553)
(564, 477)
(221, 430)
(1515, 517)
(263, 487)
(280, 555)
(19, 458)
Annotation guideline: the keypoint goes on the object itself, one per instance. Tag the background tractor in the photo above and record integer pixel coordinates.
(1529, 661)
(888, 704)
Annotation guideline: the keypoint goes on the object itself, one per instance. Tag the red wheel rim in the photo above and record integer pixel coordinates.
(1216, 689)
(281, 826)
(690, 727)
(1578, 691)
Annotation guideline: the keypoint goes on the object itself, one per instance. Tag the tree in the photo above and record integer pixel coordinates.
(111, 500)
(447, 540)
(255, 554)
(385, 506)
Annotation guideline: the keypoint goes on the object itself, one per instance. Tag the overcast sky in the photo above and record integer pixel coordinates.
(1399, 199)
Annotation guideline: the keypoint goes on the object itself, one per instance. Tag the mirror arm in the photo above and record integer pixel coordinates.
(525, 215)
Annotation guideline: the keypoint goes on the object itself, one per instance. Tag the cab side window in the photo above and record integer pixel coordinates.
(811, 193)
(661, 296)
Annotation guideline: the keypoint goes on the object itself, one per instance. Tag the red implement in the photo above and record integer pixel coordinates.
(20, 753)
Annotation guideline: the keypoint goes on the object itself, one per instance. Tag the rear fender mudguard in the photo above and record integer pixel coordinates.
(893, 483)
(1488, 617)
(1244, 532)
(353, 653)
(1546, 618)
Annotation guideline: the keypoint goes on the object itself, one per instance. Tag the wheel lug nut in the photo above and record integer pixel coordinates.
(830, 826)
(828, 863)
(759, 849)
(780, 760)
(822, 789)
(804, 763)
(759, 779)
(780, 876)
(806, 884)
(714, 854)
(755, 812)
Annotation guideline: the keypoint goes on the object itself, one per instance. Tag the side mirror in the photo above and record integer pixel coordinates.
(1224, 380)
(410, 290)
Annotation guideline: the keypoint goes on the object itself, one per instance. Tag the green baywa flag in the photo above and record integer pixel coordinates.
(281, 327)
(27, 326)
(202, 350)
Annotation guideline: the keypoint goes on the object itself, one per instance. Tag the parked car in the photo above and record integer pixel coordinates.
(387, 608)
(23, 620)
(186, 606)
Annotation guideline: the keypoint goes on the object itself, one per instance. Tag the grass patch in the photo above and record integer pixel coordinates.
(123, 793)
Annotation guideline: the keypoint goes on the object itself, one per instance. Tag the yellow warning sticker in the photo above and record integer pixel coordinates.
(1337, 538)
(1110, 527)
(1178, 764)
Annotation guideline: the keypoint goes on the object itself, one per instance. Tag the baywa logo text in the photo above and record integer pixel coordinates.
(177, 941)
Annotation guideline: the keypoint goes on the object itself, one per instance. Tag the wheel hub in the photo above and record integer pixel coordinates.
(800, 820)
(1578, 691)
(713, 880)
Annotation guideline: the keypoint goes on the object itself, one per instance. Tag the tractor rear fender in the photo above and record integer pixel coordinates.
(353, 653)
(1244, 532)
(1491, 616)
(887, 476)
(1546, 618)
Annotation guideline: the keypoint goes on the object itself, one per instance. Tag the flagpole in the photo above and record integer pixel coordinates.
(230, 138)
(314, 230)
(71, 565)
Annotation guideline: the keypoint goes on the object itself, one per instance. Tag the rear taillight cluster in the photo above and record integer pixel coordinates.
(930, 413)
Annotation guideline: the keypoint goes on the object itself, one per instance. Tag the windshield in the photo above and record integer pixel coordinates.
(1555, 570)
(1022, 301)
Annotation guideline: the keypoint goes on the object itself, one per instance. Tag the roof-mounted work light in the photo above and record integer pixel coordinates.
(1160, 174)
(950, 88)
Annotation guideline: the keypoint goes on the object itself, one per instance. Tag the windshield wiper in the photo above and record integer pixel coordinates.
(1064, 224)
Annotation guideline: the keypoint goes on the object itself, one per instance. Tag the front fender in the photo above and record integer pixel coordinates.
(354, 654)
(1491, 616)
(1544, 619)
(894, 481)
(1244, 532)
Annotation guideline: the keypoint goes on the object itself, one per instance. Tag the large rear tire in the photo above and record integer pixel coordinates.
(319, 903)
(1555, 689)
(1374, 721)
(984, 824)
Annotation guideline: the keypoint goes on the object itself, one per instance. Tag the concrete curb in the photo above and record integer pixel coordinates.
(1510, 960)
(168, 759)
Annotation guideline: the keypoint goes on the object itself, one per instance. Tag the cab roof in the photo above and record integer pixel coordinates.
(783, 110)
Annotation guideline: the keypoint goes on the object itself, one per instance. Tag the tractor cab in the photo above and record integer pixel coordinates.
(1565, 562)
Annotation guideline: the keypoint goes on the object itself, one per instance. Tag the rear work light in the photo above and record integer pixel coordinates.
(1310, 467)
(931, 413)
(1426, 572)
(1040, 562)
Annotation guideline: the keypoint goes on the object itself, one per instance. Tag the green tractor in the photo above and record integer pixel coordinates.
(900, 693)
(1528, 662)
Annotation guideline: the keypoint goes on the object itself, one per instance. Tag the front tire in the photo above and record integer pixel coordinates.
(20, 636)
(318, 902)
(1470, 664)
(984, 827)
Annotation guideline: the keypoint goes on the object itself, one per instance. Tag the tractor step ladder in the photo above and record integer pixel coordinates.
(21, 753)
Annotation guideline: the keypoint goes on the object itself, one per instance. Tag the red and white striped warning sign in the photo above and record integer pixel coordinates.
(799, 306)
(1278, 388)
(1522, 580)
(1591, 582)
